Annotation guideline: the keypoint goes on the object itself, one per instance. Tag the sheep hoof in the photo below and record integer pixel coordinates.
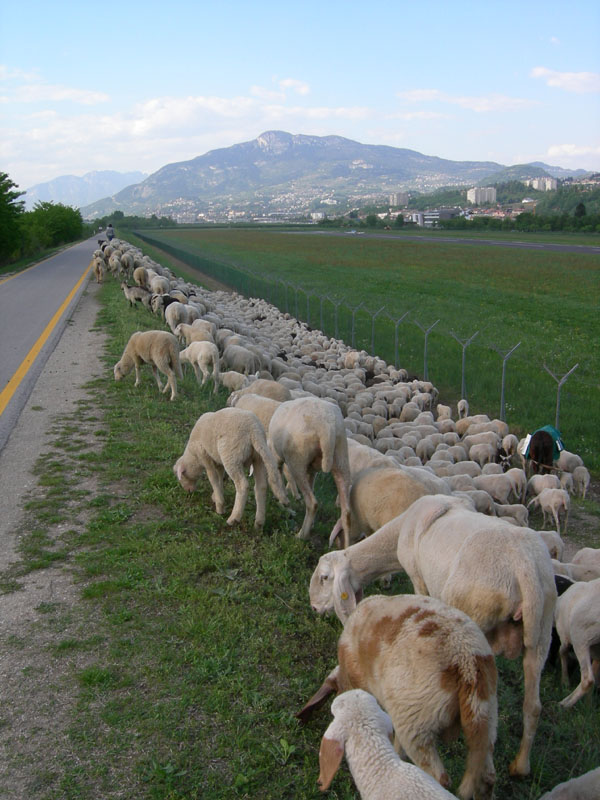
(518, 770)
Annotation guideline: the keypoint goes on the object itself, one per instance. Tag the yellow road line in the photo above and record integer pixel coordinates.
(13, 384)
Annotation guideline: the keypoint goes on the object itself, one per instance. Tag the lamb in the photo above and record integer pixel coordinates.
(499, 574)
(552, 502)
(362, 730)
(204, 357)
(308, 435)
(231, 440)
(581, 481)
(157, 348)
(578, 623)
(585, 787)
(402, 650)
(443, 412)
(186, 331)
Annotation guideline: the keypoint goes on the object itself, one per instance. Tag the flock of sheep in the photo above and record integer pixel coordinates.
(445, 500)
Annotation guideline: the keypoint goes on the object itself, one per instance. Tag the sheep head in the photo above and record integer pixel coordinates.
(185, 479)
(331, 586)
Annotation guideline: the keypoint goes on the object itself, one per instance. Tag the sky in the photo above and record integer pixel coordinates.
(134, 85)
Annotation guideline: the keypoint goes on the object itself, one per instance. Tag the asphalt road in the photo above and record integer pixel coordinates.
(35, 305)
(404, 237)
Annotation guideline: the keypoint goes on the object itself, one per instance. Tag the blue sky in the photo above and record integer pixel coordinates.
(137, 85)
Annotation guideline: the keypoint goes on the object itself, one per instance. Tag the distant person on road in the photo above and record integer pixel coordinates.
(110, 234)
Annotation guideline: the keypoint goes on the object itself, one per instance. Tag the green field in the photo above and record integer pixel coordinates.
(548, 302)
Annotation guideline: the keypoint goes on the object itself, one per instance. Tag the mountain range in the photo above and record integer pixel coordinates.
(71, 190)
(282, 173)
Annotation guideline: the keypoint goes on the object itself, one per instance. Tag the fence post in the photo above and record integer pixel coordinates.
(426, 332)
(464, 345)
(560, 382)
(353, 316)
(396, 326)
(373, 318)
(504, 360)
(336, 305)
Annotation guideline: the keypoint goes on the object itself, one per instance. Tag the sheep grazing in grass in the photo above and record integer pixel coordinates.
(204, 358)
(308, 436)
(362, 730)
(577, 618)
(581, 481)
(231, 440)
(432, 669)
(497, 573)
(157, 348)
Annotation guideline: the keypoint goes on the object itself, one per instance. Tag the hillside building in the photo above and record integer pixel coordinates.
(398, 199)
(481, 196)
(546, 184)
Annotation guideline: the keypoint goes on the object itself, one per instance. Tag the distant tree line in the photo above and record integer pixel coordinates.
(26, 233)
(579, 221)
(130, 222)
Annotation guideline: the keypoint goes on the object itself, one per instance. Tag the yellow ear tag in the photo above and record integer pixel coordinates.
(344, 595)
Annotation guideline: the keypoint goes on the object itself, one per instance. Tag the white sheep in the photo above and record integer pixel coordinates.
(462, 408)
(240, 359)
(483, 453)
(157, 348)
(515, 511)
(581, 481)
(577, 618)
(584, 787)
(99, 269)
(233, 381)
(553, 503)
(266, 388)
(499, 574)
(308, 435)
(500, 487)
(579, 571)
(204, 358)
(568, 461)
(432, 669)
(537, 483)
(362, 730)
(232, 440)
(380, 493)
(589, 556)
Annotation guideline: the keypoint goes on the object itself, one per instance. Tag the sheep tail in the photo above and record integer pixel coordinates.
(328, 443)
(259, 443)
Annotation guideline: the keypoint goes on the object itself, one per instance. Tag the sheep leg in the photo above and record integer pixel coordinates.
(260, 491)
(533, 662)
(196, 371)
(157, 377)
(305, 482)
(137, 373)
(341, 483)
(582, 651)
(291, 483)
(240, 481)
(215, 476)
(172, 383)
(422, 751)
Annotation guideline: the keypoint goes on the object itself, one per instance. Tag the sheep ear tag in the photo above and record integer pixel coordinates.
(344, 595)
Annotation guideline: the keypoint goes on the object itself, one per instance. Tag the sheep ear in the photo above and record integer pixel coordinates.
(331, 753)
(344, 599)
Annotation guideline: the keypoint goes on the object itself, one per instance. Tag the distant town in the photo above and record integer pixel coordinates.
(302, 204)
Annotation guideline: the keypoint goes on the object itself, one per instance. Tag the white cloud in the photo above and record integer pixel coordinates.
(409, 116)
(578, 82)
(297, 86)
(479, 104)
(573, 150)
(554, 40)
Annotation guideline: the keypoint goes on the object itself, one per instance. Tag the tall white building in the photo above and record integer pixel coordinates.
(481, 196)
(545, 184)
